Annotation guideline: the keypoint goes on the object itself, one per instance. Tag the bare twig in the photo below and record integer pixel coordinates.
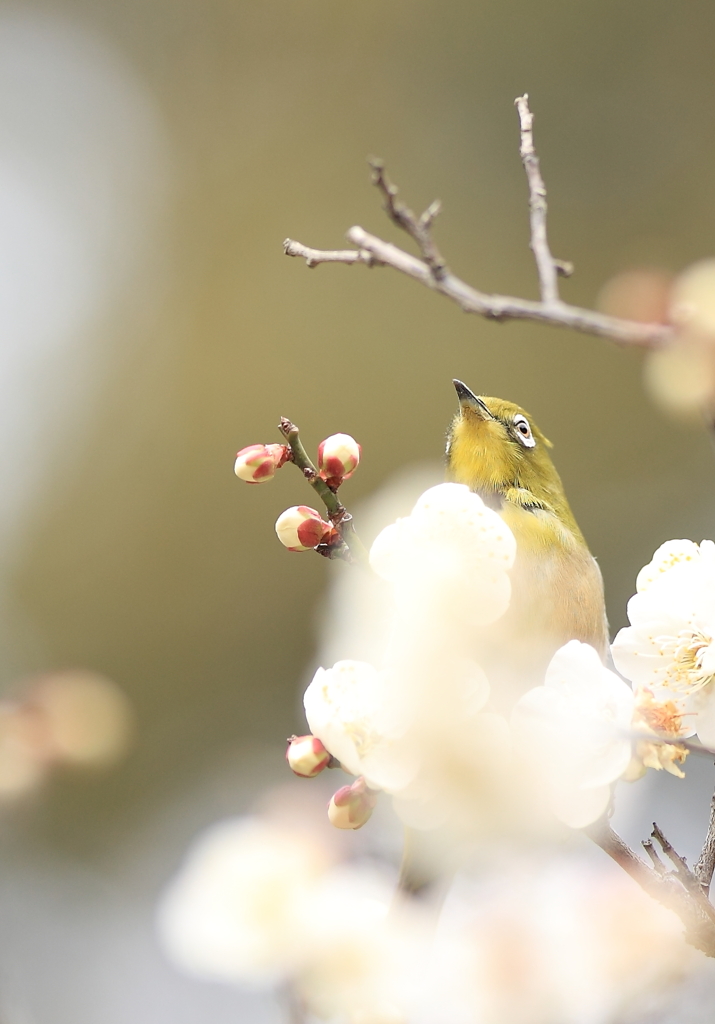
(431, 269)
(547, 266)
(313, 257)
(678, 890)
(658, 865)
(688, 879)
(350, 547)
(374, 251)
(417, 228)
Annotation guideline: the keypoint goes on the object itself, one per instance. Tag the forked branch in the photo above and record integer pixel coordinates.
(431, 269)
(679, 888)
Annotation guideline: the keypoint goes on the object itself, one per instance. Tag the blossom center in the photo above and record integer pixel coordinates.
(663, 717)
(691, 657)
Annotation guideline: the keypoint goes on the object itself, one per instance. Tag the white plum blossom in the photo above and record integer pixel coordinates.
(257, 904)
(669, 648)
(554, 942)
(418, 726)
(452, 551)
(348, 708)
(236, 908)
(574, 732)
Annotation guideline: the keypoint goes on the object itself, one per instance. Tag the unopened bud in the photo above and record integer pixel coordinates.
(306, 756)
(338, 458)
(259, 462)
(352, 805)
(300, 528)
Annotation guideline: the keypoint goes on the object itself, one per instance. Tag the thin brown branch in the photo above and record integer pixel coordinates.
(650, 849)
(687, 877)
(705, 864)
(374, 251)
(349, 546)
(313, 257)
(677, 890)
(431, 269)
(417, 228)
(547, 266)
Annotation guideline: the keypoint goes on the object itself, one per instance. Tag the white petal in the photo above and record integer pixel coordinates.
(673, 552)
(705, 722)
(574, 663)
(578, 808)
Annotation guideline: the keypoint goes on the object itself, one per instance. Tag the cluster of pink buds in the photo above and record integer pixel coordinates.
(338, 458)
(259, 462)
(301, 528)
(352, 805)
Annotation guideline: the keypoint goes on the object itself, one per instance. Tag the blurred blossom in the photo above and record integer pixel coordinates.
(669, 648)
(241, 906)
(692, 301)
(22, 759)
(260, 904)
(528, 941)
(682, 376)
(573, 732)
(370, 966)
(418, 725)
(76, 718)
(450, 556)
(85, 718)
(554, 943)
(641, 294)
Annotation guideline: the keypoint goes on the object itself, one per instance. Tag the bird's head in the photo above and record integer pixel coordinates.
(496, 449)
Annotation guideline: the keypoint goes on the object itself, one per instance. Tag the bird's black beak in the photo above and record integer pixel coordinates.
(468, 400)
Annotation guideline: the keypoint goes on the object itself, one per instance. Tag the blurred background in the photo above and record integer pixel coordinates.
(153, 157)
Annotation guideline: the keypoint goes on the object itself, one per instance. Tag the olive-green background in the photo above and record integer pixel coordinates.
(147, 560)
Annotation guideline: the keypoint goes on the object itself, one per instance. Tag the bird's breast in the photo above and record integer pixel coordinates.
(557, 596)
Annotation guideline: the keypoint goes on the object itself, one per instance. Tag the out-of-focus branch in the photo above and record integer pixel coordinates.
(431, 269)
(679, 890)
(351, 547)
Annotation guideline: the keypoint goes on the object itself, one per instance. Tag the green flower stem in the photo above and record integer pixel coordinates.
(354, 550)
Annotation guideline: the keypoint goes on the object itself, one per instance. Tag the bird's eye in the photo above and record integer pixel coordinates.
(523, 431)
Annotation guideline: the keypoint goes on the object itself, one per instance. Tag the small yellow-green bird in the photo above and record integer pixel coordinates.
(496, 449)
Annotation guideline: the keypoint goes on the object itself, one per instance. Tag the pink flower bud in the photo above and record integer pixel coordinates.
(338, 458)
(300, 528)
(306, 756)
(352, 805)
(259, 462)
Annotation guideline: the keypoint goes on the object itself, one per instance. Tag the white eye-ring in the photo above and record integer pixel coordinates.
(523, 431)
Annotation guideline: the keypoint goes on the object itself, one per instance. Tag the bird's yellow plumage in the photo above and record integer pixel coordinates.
(496, 449)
